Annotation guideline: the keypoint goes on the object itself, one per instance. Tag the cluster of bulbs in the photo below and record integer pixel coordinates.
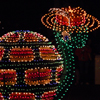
(69, 19)
(58, 73)
(69, 66)
(22, 96)
(75, 17)
(23, 54)
(11, 37)
(37, 76)
(34, 37)
(28, 36)
(27, 96)
(1, 52)
(71, 27)
(49, 95)
(24, 60)
(9, 76)
(31, 76)
(49, 53)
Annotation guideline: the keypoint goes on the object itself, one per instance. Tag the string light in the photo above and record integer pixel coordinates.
(11, 37)
(22, 96)
(24, 54)
(48, 95)
(49, 53)
(71, 27)
(30, 66)
(10, 77)
(68, 18)
(1, 52)
(32, 76)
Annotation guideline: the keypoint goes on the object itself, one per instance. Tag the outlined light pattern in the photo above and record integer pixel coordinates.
(23, 54)
(1, 52)
(22, 96)
(70, 19)
(30, 66)
(8, 77)
(37, 76)
(70, 27)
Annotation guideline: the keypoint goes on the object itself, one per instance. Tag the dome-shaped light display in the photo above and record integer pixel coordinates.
(30, 67)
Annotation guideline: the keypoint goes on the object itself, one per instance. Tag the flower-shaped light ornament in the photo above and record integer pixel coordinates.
(71, 27)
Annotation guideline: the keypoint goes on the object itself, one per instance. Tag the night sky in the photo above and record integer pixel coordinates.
(23, 15)
(26, 14)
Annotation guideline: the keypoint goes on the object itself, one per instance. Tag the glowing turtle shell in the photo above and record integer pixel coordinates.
(30, 66)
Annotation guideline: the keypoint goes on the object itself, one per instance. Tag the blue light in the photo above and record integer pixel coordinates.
(17, 31)
(53, 70)
(50, 84)
(55, 83)
(27, 30)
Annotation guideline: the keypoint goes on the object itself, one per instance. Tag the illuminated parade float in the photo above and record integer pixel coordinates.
(70, 27)
(31, 68)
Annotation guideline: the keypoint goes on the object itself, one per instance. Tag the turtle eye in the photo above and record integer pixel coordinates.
(8, 76)
(21, 55)
(22, 96)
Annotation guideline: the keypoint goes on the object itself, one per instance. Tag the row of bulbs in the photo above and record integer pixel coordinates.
(28, 95)
(17, 53)
(28, 37)
(86, 20)
(29, 79)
